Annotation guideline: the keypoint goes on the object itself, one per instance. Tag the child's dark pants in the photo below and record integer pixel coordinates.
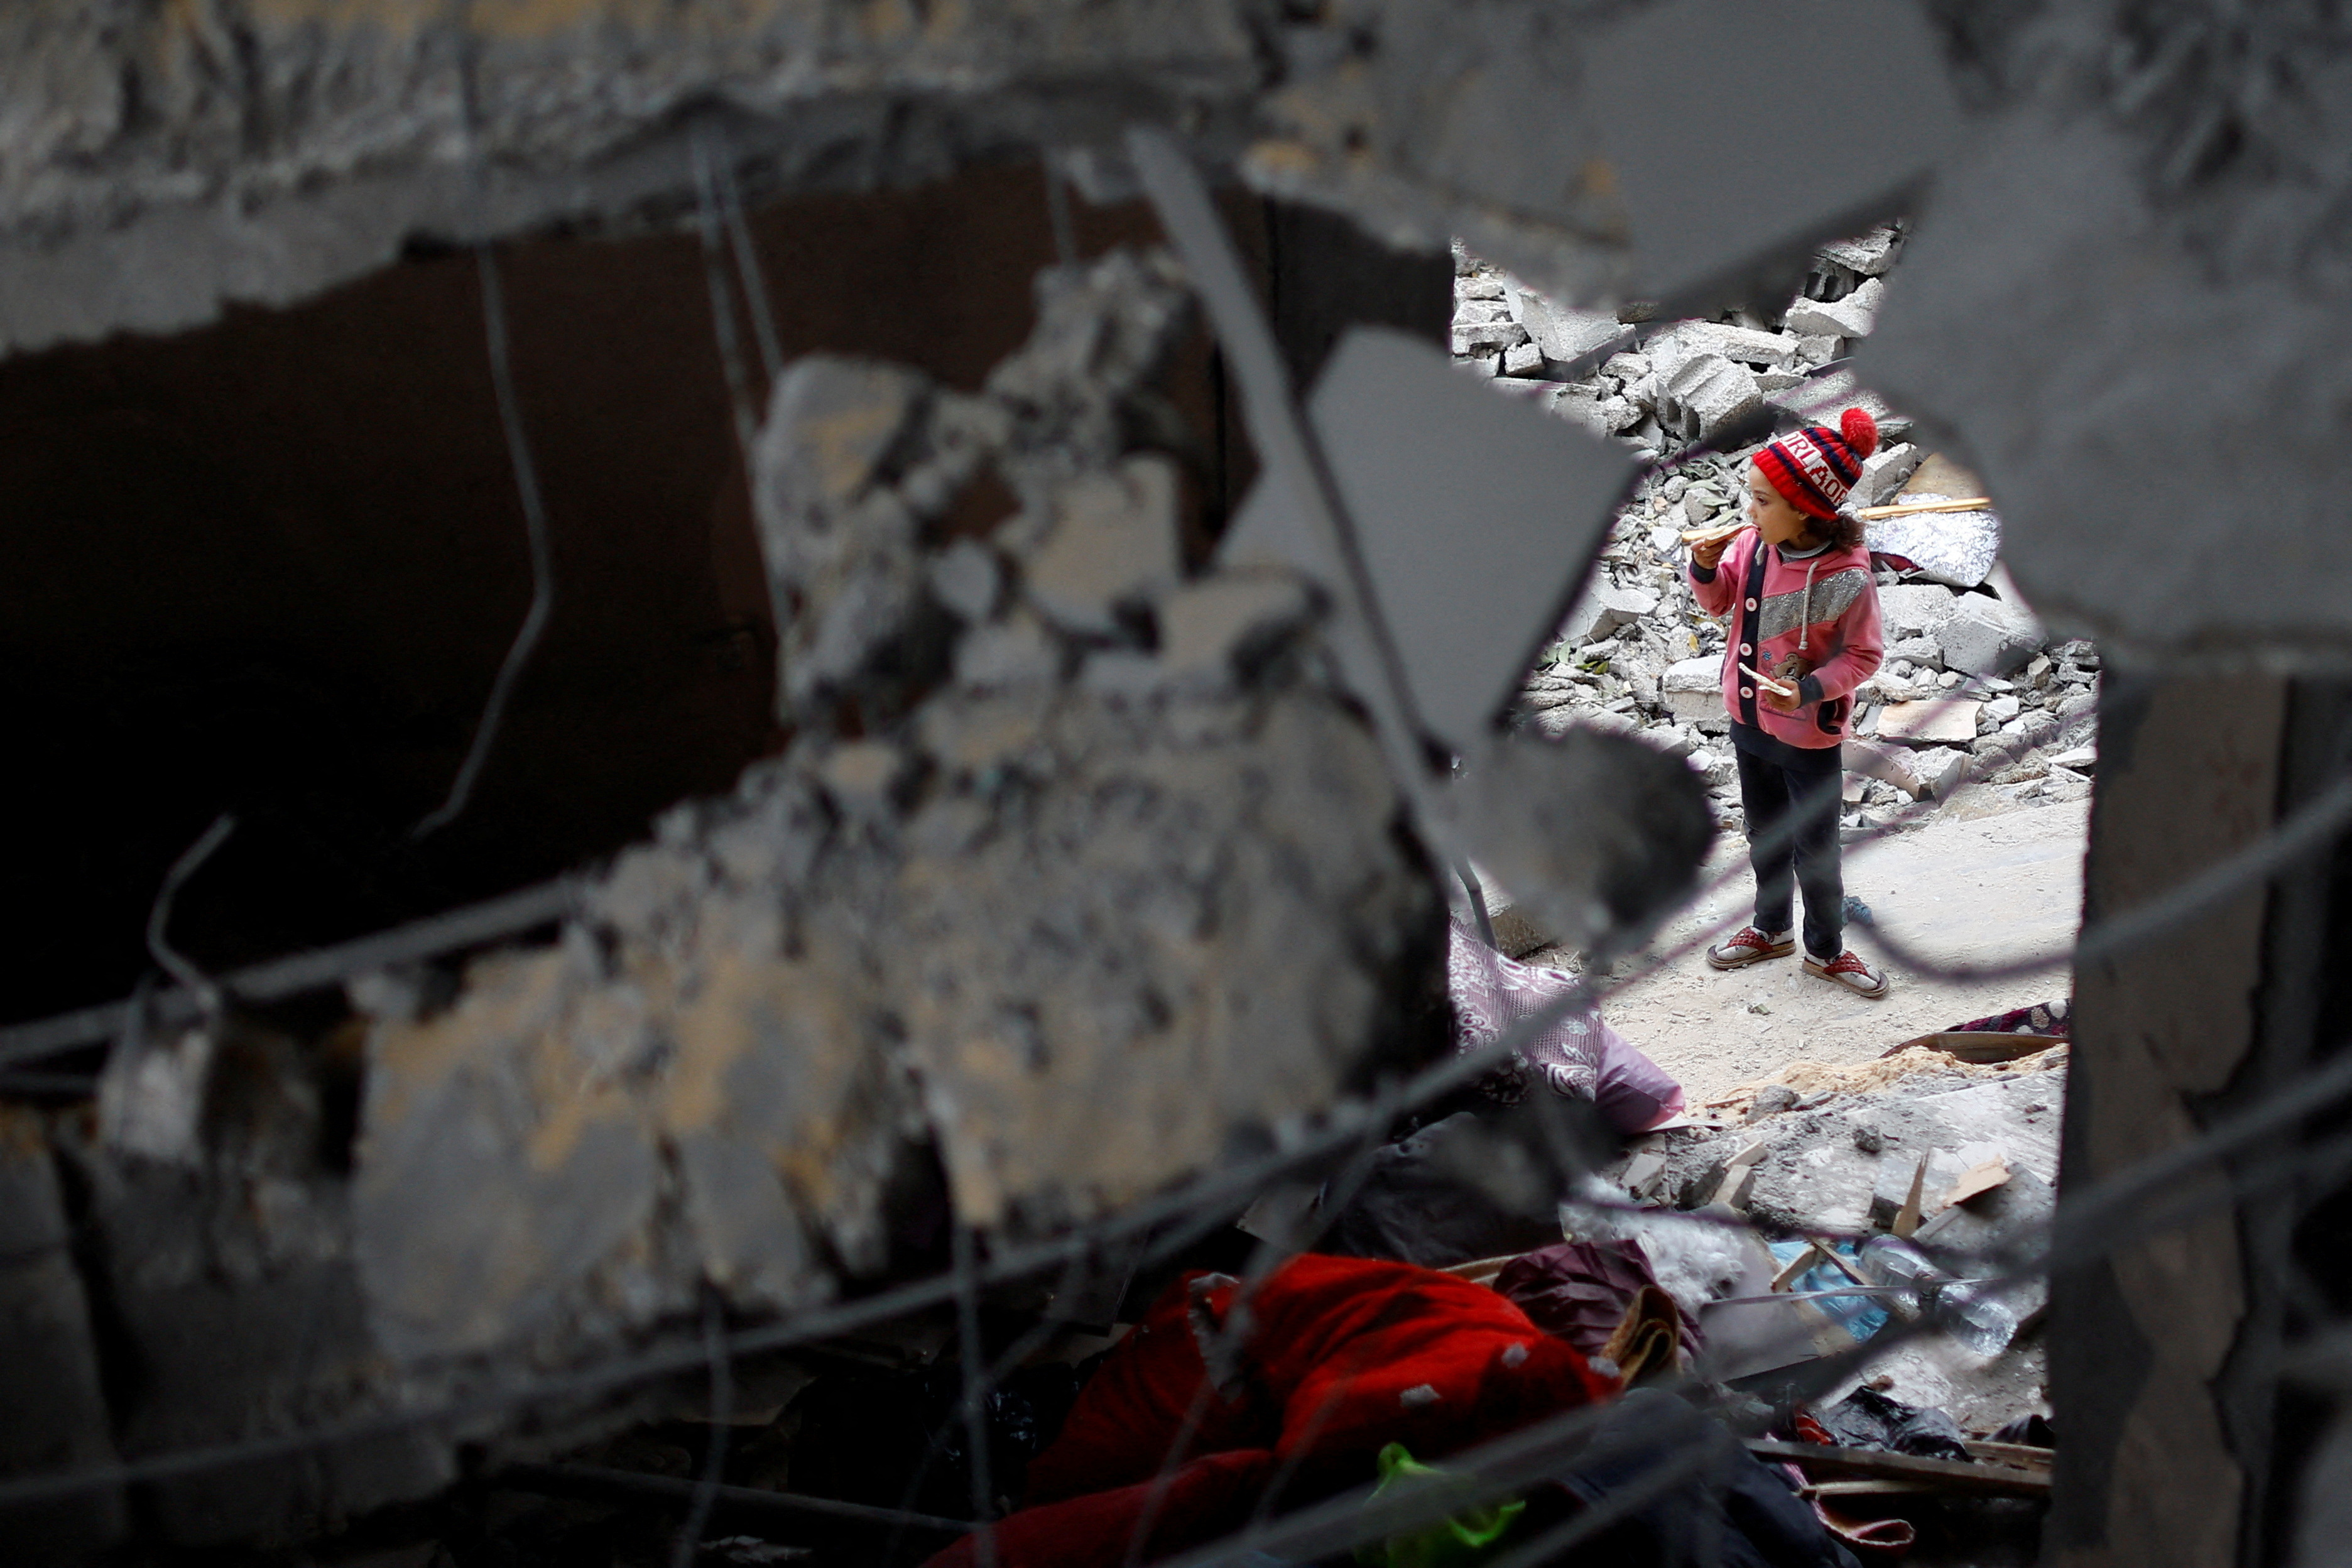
(1772, 795)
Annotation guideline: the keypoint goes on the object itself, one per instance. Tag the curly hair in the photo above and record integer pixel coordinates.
(1844, 530)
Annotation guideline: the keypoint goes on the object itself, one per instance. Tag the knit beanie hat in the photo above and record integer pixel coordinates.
(1815, 467)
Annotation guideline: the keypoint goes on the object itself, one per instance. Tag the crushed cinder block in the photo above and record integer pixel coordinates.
(1710, 393)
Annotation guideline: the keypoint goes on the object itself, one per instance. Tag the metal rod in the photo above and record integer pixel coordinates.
(506, 916)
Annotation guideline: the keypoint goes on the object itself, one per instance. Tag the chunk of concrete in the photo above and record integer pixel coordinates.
(1710, 393)
(1225, 623)
(1693, 688)
(1915, 609)
(1884, 473)
(1986, 636)
(1936, 720)
(1113, 542)
(1852, 317)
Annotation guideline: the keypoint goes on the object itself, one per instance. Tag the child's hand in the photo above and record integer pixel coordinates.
(1706, 554)
(1788, 672)
(1775, 702)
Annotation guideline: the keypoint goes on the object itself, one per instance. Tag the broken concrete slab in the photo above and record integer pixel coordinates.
(1855, 316)
(1915, 609)
(1940, 721)
(1986, 636)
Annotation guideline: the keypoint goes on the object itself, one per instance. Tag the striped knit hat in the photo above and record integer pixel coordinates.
(1816, 467)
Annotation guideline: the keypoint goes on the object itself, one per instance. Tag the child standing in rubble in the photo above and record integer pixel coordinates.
(1803, 612)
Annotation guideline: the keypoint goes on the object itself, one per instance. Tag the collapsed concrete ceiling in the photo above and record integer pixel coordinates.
(2129, 286)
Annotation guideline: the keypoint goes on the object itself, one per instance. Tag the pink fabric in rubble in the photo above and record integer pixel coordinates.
(1579, 1056)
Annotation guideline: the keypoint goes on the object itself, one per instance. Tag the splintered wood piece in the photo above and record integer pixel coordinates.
(1907, 1220)
(1978, 1179)
(1970, 503)
(1798, 1265)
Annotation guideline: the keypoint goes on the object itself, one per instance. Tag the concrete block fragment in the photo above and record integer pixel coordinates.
(1694, 687)
(1985, 637)
(1016, 651)
(1884, 473)
(1940, 720)
(2002, 709)
(968, 579)
(1763, 350)
(1523, 360)
(1852, 317)
(1113, 542)
(1870, 254)
(839, 545)
(1560, 332)
(1924, 651)
(1489, 337)
(1223, 624)
(1915, 609)
(1710, 392)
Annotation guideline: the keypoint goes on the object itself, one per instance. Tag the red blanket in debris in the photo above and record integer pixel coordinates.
(1331, 1358)
(1210, 1496)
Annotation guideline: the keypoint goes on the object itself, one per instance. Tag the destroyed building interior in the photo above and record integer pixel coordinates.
(873, 783)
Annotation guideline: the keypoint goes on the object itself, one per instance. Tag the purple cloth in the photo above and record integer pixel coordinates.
(1579, 1056)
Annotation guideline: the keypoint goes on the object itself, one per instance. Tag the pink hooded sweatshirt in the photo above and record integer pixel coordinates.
(1823, 608)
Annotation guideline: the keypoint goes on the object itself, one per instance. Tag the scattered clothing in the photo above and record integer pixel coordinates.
(1579, 1056)
(1431, 1198)
(2051, 1019)
(1579, 1292)
(1732, 1512)
(1299, 1383)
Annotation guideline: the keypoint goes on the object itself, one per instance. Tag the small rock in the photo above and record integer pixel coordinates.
(2002, 709)
(1773, 1098)
(1869, 1140)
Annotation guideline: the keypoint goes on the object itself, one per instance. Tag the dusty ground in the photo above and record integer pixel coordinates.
(1965, 886)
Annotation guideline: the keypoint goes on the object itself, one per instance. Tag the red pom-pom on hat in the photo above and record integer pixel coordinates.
(1860, 430)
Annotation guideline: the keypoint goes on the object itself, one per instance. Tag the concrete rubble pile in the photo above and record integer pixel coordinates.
(1071, 838)
(1970, 669)
(1957, 1162)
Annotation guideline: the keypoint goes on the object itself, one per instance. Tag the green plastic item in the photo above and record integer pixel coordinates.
(1460, 1541)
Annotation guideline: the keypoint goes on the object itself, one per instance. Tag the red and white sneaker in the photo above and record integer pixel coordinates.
(1851, 972)
(1749, 945)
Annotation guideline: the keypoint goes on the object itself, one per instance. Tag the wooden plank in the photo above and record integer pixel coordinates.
(1945, 1474)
